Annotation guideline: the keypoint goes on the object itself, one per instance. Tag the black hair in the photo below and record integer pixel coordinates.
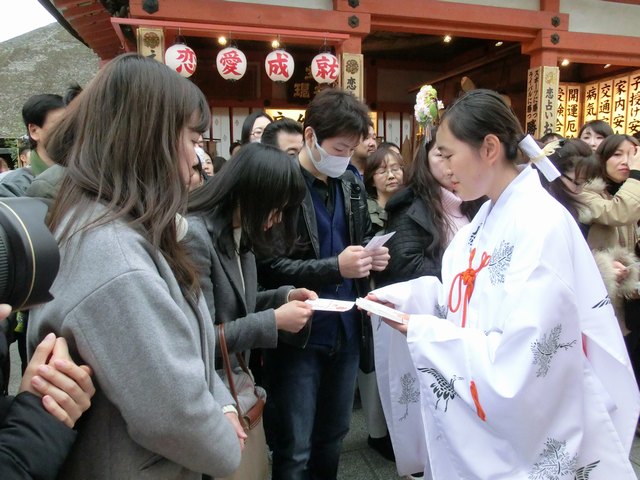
(420, 179)
(247, 125)
(334, 112)
(258, 179)
(36, 109)
(72, 91)
(218, 162)
(482, 112)
(287, 125)
(570, 155)
(599, 127)
(233, 146)
(550, 137)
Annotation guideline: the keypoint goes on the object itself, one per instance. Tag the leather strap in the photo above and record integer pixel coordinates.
(251, 418)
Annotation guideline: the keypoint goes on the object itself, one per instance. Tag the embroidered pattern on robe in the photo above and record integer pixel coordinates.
(583, 473)
(441, 311)
(555, 462)
(545, 348)
(410, 392)
(500, 261)
(604, 302)
(442, 388)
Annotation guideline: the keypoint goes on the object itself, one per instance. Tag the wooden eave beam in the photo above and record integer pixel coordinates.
(450, 28)
(213, 30)
(77, 11)
(251, 14)
(588, 47)
(487, 21)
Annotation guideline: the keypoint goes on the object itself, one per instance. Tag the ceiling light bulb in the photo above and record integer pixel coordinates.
(222, 40)
(565, 62)
(447, 38)
(275, 44)
(499, 44)
(607, 65)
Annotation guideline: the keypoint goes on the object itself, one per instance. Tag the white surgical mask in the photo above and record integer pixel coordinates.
(331, 165)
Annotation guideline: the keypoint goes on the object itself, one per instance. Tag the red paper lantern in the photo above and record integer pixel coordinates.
(279, 65)
(231, 63)
(325, 68)
(182, 59)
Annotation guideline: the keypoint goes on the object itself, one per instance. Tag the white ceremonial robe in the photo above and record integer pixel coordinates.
(555, 395)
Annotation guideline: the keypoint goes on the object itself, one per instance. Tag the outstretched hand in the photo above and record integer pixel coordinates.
(401, 327)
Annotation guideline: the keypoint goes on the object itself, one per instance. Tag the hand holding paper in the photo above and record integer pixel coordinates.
(378, 241)
(384, 311)
(330, 305)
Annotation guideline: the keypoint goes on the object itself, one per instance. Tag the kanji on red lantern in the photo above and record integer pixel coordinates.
(231, 63)
(279, 65)
(182, 59)
(325, 68)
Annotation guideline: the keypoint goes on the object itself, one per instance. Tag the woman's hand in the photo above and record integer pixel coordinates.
(620, 270)
(235, 422)
(380, 259)
(66, 388)
(401, 327)
(634, 161)
(293, 315)
(302, 294)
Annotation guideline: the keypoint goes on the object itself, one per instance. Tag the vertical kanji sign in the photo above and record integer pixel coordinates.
(352, 77)
(542, 100)
(151, 43)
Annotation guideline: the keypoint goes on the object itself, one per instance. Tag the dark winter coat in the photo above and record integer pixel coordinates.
(410, 218)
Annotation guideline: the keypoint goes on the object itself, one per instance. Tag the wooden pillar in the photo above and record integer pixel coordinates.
(352, 66)
(542, 100)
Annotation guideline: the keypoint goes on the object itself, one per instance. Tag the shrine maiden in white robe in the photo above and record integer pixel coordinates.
(537, 385)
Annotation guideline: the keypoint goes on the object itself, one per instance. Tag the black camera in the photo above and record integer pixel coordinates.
(29, 256)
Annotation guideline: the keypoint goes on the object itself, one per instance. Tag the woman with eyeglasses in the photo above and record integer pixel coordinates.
(383, 176)
(612, 212)
(253, 126)
(425, 215)
(577, 165)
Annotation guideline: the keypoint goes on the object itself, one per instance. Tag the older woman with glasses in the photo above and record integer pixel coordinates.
(383, 175)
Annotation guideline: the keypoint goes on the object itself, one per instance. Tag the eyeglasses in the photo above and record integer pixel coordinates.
(573, 180)
(394, 170)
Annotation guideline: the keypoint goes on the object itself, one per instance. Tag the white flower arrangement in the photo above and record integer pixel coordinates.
(426, 108)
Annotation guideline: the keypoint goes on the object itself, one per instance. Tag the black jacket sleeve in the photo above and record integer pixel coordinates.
(33, 443)
(409, 249)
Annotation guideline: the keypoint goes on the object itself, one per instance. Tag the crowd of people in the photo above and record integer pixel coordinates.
(183, 274)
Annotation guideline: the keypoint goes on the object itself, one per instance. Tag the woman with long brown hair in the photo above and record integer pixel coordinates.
(126, 297)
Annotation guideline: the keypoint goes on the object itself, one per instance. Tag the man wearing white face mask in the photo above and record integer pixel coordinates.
(312, 387)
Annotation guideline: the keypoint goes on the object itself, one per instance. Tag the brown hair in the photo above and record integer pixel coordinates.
(375, 161)
(119, 141)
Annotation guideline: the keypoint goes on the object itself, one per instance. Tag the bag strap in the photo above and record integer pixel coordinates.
(227, 365)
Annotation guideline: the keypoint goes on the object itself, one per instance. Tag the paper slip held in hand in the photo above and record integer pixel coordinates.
(330, 305)
(382, 310)
(378, 241)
